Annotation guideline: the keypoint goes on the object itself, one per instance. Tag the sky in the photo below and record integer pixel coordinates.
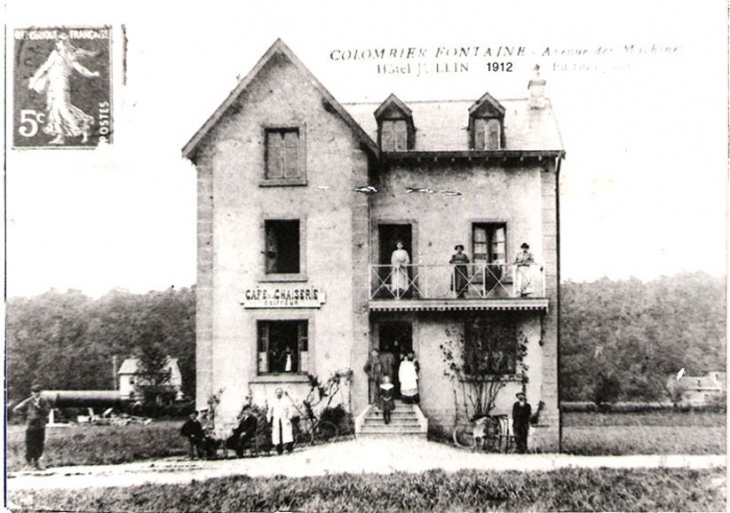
(642, 189)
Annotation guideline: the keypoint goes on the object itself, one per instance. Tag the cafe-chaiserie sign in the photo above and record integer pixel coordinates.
(282, 296)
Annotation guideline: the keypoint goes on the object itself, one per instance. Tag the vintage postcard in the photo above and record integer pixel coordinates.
(429, 256)
(62, 79)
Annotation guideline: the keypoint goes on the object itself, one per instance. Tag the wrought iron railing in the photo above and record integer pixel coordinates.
(464, 281)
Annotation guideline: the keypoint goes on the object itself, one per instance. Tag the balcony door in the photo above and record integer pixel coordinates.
(388, 237)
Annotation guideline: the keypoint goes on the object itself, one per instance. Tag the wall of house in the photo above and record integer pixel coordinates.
(232, 210)
(496, 193)
(524, 197)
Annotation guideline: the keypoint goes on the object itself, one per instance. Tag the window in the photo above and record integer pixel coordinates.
(487, 134)
(394, 135)
(488, 243)
(284, 155)
(490, 345)
(283, 347)
(282, 247)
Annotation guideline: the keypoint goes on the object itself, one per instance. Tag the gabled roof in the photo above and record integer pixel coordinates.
(391, 103)
(444, 125)
(278, 47)
(486, 104)
(131, 365)
(699, 383)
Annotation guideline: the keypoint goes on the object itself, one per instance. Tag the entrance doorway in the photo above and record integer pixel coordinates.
(396, 338)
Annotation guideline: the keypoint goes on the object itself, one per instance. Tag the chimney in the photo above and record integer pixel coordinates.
(536, 86)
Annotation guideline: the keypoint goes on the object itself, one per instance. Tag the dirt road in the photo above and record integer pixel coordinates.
(380, 456)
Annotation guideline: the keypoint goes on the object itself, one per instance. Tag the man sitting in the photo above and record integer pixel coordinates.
(244, 432)
(193, 431)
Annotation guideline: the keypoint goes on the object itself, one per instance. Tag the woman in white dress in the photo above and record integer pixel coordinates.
(408, 377)
(399, 272)
(62, 118)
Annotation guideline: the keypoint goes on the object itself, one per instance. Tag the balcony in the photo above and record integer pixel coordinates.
(457, 287)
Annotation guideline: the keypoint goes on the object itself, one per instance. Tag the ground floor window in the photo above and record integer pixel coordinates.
(490, 345)
(283, 347)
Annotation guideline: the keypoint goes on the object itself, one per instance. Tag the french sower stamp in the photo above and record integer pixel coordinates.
(62, 87)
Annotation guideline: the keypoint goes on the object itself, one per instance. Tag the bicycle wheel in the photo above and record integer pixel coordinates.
(325, 432)
(464, 436)
(302, 433)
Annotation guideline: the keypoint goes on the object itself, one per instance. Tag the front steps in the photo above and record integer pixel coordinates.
(406, 420)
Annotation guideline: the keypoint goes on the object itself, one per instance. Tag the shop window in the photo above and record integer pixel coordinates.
(282, 247)
(284, 156)
(394, 135)
(487, 134)
(283, 347)
(490, 345)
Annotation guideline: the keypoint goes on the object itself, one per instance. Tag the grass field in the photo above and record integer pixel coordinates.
(463, 491)
(87, 444)
(593, 434)
(583, 433)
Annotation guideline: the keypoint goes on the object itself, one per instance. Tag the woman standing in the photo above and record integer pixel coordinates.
(62, 118)
(399, 272)
(461, 271)
(408, 377)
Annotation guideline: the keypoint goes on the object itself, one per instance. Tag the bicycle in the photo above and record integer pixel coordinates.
(488, 433)
(310, 429)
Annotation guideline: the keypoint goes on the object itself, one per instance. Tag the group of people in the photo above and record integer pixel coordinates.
(382, 368)
(203, 444)
(399, 282)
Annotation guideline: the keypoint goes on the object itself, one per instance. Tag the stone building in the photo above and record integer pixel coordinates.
(301, 203)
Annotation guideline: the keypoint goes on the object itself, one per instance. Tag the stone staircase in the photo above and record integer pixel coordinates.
(406, 420)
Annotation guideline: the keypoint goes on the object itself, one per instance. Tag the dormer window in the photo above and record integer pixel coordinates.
(486, 124)
(394, 135)
(395, 126)
(487, 134)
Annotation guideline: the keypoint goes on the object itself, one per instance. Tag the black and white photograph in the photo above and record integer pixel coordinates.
(366, 256)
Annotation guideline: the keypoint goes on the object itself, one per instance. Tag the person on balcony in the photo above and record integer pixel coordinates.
(461, 271)
(523, 268)
(399, 259)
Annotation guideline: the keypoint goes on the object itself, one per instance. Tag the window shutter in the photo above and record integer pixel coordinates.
(274, 143)
(387, 136)
(271, 250)
(291, 154)
(401, 135)
(303, 336)
(492, 135)
(263, 347)
(479, 135)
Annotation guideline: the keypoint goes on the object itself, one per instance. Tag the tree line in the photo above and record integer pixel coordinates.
(68, 341)
(620, 340)
(623, 340)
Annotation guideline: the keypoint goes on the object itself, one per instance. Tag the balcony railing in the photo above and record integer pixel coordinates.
(464, 281)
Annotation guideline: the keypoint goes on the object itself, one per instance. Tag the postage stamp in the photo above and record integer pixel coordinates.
(62, 87)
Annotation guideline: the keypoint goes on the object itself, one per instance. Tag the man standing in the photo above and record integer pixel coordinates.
(36, 409)
(279, 416)
(374, 370)
(521, 413)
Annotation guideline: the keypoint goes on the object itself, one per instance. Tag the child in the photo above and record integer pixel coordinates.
(386, 398)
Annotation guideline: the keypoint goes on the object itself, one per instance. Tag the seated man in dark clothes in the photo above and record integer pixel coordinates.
(244, 432)
(193, 431)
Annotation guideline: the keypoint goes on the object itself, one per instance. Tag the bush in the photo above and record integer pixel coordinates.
(340, 418)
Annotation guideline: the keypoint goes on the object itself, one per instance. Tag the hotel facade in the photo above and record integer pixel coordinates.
(326, 230)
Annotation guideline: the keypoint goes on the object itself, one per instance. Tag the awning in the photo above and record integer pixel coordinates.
(456, 305)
